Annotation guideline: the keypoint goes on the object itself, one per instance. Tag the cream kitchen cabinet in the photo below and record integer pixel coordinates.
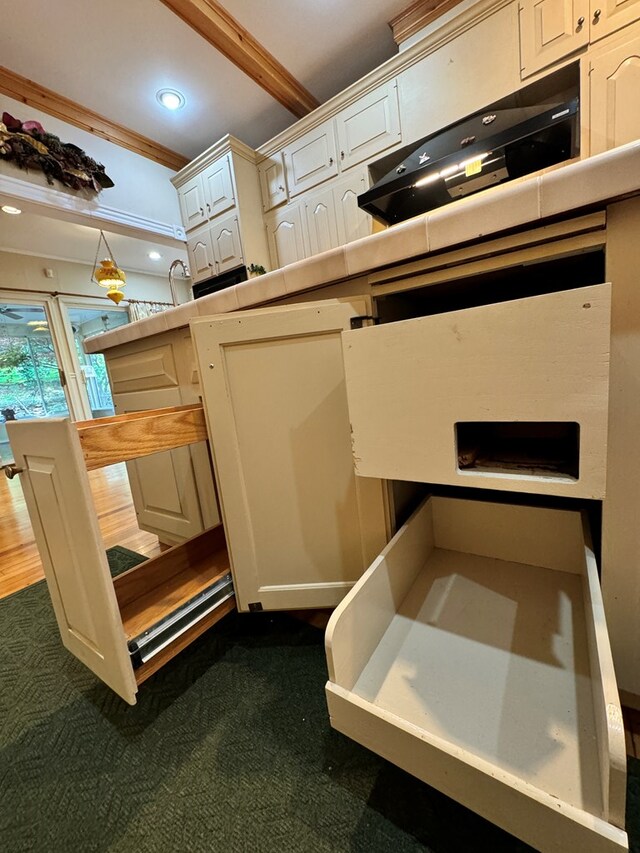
(613, 83)
(551, 30)
(207, 194)
(219, 195)
(321, 221)
(369, 126)
(332, 215)
(272, 182)
(301, 527)
(311, 159)
(287, 234)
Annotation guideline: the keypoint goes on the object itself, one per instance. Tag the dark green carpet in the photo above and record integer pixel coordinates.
(229, 749)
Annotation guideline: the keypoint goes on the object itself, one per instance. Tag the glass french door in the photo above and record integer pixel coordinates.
(32, 381)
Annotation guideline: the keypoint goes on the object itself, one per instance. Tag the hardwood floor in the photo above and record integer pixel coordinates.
(19, 559)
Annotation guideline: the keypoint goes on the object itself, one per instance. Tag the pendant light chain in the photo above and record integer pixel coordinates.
(101, 239)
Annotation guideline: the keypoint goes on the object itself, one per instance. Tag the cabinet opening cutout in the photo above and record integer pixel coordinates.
(546, 449)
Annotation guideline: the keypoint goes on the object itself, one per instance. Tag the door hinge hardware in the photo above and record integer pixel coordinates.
(358, 322)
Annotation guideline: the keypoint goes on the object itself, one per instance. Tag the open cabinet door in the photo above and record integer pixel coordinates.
(58, 497)
(301, 527)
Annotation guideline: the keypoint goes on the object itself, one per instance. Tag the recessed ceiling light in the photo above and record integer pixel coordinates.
(171, 99)
(155, 256)
(7, 208)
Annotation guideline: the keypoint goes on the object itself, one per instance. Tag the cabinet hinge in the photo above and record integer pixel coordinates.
(255, 606)
(358, 322)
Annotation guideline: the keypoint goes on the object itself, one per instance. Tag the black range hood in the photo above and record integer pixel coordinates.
(486, 149)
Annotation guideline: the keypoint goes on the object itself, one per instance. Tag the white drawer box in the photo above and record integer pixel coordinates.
(509, 396)
(474, 654)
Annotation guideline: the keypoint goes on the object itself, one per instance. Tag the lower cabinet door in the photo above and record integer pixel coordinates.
(301, 527)
(163, 486)
(474, 654)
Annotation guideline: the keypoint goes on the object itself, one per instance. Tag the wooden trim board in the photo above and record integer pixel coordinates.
(210, 20)
(417, 16)
(35, 95)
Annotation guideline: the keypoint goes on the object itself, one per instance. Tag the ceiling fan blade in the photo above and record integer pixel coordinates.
(11, 314)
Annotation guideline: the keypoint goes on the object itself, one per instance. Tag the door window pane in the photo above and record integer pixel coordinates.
(30, 385)
(84, 323)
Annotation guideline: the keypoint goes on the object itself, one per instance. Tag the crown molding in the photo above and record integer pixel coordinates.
(76, 208)
(214, 23)
(433, 41)
(417, 16)
(227, 145)
(37, 96)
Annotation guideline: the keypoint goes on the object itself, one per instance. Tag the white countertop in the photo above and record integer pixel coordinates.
(529, 200)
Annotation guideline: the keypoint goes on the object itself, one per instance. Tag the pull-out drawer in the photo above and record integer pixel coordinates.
(509, 396)
(474, 654)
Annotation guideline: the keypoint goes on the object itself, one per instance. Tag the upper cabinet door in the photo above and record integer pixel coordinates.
(301, 527)
(551, 30)
(227, 246)
(193, 207)
(272, 182)
(369, 126)
(614, 80)
(58, 497)
(608, 16)
(311, 159)
(218, 185)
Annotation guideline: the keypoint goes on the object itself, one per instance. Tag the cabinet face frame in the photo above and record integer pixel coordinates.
(341, 519)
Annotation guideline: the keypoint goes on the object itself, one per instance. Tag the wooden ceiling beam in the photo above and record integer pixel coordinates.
(418, 15)
(210, 20)
(37, 96)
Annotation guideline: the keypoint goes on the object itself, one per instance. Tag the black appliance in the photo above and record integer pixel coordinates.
(219, 282)
(489, 148)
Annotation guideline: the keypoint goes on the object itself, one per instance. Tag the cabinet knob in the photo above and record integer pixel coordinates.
(597, 14)
(331, 161)
(580, 21)
(281, 188)
(11, 471)
(208, 207)
(342, 155)
(202, 211)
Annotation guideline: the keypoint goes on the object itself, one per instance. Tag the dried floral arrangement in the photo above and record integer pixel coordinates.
(29, 146)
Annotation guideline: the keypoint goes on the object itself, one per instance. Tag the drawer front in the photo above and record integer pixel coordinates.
(510, 396)
(479, 622)
(142, 371)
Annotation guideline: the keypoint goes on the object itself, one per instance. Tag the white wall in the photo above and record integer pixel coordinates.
(142, 187)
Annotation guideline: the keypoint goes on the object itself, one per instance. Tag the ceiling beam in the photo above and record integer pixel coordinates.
(418, 15)
(34, 95)
(210, 20)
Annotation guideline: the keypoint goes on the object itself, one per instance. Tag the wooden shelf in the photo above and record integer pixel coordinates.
(157, 588)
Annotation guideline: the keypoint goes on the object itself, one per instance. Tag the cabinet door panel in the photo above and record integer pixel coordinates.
(369, 126)
(301, 527)
(615, 97)
(321, 222)
(352, 222)
(227, 247)
(58, 497)
(200, 251)
(614, 14)
(218, 187)
(286, 235)
(550, 30)
(272, 182)
(192, 203)
(163, 485)
(311, 159)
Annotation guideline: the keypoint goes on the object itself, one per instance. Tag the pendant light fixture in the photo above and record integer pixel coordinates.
(108, 274)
